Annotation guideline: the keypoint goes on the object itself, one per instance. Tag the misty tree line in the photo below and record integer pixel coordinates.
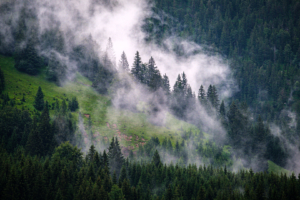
(67, 174)
(262, 40)
(191, 149)
(265, 64)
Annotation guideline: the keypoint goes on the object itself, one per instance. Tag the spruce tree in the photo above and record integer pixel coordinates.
(166, 84)
(39, 100)
(156, 159)
(115, 156)
(123, 176)
(201, 95)
(46, 132)
(34, 141)
(154, 77)
(136, 69)
(123, 63)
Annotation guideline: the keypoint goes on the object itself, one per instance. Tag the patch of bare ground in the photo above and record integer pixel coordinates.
(142, 143)
(125, 151)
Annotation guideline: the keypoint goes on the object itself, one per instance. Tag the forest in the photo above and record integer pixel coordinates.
(63, 135)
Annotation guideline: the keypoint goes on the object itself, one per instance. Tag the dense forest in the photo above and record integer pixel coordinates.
(261, 39)
(43, 150)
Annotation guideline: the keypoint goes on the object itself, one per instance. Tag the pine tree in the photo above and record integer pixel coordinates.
(116, 193)
(201, 95)
(33, 145)
(115, 156)
(126, 189)
(222, 110)
(110, 57)
(154, 78)
(39, 100)
(156, 159)
(201, 193)
(90, 155)
(166, 84)
(63, 107)
(123, 176)
(123, 63)
(56, 70)
(136, 69)
(46, 132)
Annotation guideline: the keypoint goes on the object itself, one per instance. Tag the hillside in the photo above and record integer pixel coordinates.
(132, 129)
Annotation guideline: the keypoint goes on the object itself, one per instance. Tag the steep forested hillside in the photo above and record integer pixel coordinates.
(260, 37)
(213, 112)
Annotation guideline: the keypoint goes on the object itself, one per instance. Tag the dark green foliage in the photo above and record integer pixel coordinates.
(153, 77)
(56, 70)
(39, 100)
(46, 132)
(156, 159)
(136, 69)
(67, 152)
(237, 126)
(202, 96)
(166, 84)
(2, 81)
(73, 104)
(115, 157)
(103, 79)
(34, 142)
(32, 177)
(27, 60)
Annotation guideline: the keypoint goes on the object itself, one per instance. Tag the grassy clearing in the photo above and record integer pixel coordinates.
(91, 105)
(272, 167)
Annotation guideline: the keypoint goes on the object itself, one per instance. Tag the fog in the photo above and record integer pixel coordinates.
(123, 21)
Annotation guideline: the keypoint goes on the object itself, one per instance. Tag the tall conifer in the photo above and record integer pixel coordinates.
(39, 100)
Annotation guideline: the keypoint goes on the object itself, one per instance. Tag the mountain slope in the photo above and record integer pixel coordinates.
(107, 121)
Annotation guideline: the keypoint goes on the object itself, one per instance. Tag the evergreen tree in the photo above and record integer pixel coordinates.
(123, 176)
(34, 142)
(56, 70)
(201, 95)
(166, 84)
(154, 77)
(110, 57)
(156, 159)
(73, 105)
(136, 69)
(116, 159)
(90, 155)
(39, 100)
(116, 193)
(103, 78)
(123, 63)
(46, 132)
(238, 125)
